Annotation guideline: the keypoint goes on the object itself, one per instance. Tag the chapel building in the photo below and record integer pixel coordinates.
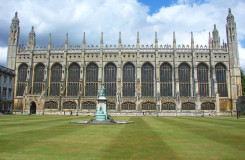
(165, 79)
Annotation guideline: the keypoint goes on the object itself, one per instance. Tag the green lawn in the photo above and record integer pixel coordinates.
(52, 137)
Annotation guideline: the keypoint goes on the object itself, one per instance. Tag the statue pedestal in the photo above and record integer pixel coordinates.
(101, 109)
(101, 117)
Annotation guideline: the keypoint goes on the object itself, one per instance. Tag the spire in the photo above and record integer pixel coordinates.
(15, 20)
(192, 40)
(231, 28)
(174, 40)
(66, 43)
(119, 40)
(230, 16)
(138, 41)
(31, 43)
(66, 38)
(138, 38)
(156, 40)
(49, 41)
(101, 40)
(216, 38)
(209, 41)
(84, 40)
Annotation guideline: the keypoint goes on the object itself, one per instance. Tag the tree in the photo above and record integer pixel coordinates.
(243, 82)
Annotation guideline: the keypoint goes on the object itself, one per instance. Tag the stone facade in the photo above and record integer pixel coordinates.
(6, 89)
(201, 93)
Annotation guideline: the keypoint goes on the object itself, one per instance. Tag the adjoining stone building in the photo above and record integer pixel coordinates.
(167, 79)
(6, 89)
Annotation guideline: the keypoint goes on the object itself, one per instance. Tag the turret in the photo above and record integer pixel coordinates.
(231, 28)
(235, 71)
(216, 38)
(13, 42)
(31, 43)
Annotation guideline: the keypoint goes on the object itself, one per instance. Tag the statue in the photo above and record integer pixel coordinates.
(100, 111)
(102, 91)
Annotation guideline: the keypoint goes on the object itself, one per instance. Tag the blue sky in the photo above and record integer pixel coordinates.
(155, 5)
(128, 16)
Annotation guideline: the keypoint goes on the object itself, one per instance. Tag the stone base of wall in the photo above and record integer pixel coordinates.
(114, 114)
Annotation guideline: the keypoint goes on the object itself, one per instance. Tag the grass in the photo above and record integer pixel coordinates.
(52, 137)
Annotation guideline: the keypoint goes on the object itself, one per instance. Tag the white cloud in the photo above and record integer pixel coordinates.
(3, 55)
(127, 16)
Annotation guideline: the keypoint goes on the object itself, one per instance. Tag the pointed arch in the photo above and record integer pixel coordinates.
(147, 80)
(111, 106)
(166, 79)
(202, 76)
(220, 70)
(208, 106)
(91, 79)
(110, 79)
(51, 105)
(148, 106)
(188, 106)
(22, 75)
(168, 106)
(55, 82)
(69, 105)
(128, 79)
(88, 105)
(38, 78)
(128, 106)
(73, 79)
(184, 79)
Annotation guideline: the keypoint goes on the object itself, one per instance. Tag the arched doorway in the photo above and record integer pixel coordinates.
(33, 108)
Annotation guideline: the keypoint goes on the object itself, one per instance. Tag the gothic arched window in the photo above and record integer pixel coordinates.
(188, 106)
(56, 75)
(22, 75)
(111, 106)
(128, 106)
(69, 105)
(202, 76)
(168, 106)
(166, 80)
(73, 79)
(148, 106)
(110, 79)
(128, 80)
(147, 80)
(184, 80)
(51, 105)
(91, 80)
(208, 106)
(38, 78)
(221, 80)
(88, 105)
